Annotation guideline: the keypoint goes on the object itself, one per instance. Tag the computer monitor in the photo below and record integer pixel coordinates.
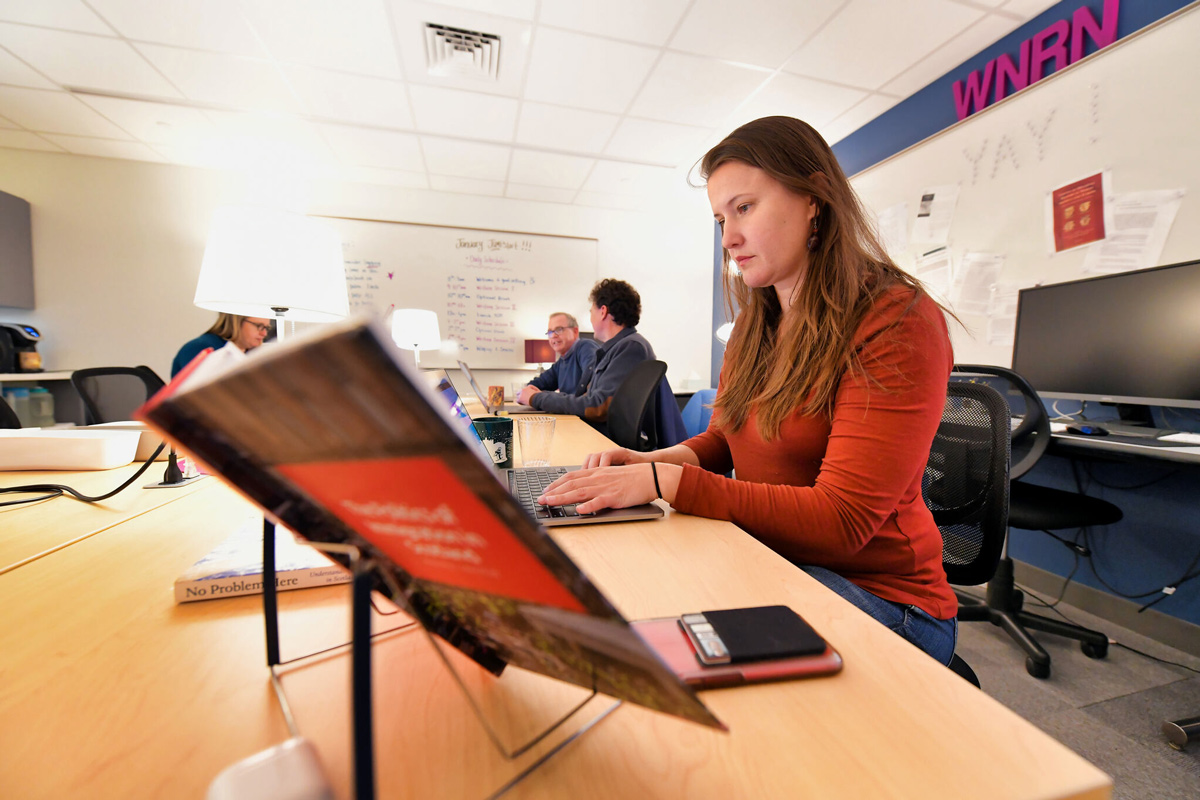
(1131, 338)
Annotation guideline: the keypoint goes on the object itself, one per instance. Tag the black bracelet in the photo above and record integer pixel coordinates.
(654, 472)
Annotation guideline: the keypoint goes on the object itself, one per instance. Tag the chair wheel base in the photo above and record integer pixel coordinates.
(1037, 669)
(1094, 650)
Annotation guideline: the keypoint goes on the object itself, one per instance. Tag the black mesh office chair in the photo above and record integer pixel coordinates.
(112, 394)
(632, 403)
(966, 487)
(1031, 507)
(8, 417)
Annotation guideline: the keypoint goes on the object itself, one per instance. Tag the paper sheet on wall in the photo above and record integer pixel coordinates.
(893, 229)
(971, 291)
(933, 270)
(1002, 313)
(1141, 222)
(935, 214)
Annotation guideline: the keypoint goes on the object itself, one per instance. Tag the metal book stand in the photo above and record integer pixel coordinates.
(362, 723)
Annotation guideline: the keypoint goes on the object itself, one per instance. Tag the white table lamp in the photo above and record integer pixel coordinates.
(724, 332)
(262, 262)
(416, 329)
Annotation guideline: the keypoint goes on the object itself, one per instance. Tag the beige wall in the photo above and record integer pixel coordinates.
(118, 244)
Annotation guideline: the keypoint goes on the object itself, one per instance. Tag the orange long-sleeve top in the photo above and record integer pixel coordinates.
(844, 491)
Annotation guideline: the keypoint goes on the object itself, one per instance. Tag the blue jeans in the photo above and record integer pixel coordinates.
(935, 636)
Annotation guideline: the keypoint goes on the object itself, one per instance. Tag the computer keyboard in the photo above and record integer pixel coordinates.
(527, 485)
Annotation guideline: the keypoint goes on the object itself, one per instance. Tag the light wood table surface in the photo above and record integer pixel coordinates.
(34, 530)
(109, 689)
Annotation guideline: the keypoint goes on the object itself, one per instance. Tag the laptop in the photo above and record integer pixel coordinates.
(507, 408)
(527, 483)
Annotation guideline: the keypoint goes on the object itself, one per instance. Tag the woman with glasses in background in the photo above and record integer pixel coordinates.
(244, 333)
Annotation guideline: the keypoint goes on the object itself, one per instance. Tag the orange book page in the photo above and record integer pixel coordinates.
(417, 511)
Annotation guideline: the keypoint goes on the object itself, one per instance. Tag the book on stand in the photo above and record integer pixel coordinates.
(234, 567)
(333, 435)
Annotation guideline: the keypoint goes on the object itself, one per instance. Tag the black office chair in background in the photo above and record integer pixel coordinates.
(966, 487)
(632, 404)
(1032, 507)
(112, 394)
(8, 417)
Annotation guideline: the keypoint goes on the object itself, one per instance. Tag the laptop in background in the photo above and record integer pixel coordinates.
(526, 483)
(508, 408)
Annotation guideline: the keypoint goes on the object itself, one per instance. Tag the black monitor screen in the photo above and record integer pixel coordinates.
(1127, 338)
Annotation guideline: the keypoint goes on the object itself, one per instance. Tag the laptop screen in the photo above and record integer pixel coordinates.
(458, 412)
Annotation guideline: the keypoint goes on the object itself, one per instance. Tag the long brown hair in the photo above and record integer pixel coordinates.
(846, 275)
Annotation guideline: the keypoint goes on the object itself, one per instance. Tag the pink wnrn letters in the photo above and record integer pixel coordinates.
(1061, 43)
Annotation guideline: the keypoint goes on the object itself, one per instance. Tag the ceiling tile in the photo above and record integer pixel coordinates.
(1027, 9)
(657, 142)
(465, 159)
(518, 9)
(614, 177)
(761, 32)
(54, 112)
(855, 118)
(105, 148)
(241, 83)
(815, 102)
(71, 15)
(156, 123)
(77, 59)
(385, 177)
(585, 72)
(24, 140)
(351, 98)
(349, 35)
(217, 25)
(519, 191)
(15, 73)
(695, 91)
(949, 55)
(443, 183)
(549, 169)
(410, 19)
(897, 35)
(558, 127)
(362, 147)
(468, 114)
(631, 20)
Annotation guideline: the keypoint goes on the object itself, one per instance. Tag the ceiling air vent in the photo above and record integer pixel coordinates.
(454, 52)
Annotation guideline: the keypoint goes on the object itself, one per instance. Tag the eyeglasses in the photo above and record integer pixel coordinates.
(559, 330)
(261, 328)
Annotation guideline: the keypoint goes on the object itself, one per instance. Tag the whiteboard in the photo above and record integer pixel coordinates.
(1132, 109)
(491, 289)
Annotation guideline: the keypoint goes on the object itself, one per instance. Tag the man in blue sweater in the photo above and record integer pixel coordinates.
(616, 309)
(576, 358)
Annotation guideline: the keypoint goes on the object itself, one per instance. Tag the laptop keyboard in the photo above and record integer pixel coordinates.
(527, 485)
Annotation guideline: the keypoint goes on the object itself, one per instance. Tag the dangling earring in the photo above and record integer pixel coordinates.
(814, 238)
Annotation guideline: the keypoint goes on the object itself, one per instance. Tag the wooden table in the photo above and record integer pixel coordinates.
(107, 688)
(34, 530)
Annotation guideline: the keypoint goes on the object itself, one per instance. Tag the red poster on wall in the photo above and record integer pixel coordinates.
(1077, 213)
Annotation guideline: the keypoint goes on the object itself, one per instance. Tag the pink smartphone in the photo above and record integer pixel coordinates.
(676, 647)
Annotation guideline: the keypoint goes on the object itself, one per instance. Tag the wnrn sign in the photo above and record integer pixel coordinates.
(1058, 45)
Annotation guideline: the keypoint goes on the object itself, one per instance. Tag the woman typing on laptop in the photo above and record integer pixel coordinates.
(831, 392)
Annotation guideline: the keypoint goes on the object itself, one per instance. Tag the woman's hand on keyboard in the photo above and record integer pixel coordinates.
(622, 486)
(614, 457)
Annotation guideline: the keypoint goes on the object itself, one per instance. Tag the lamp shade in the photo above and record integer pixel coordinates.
(258, 260)
(538, 351)
(724, 332)
(416, 329)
